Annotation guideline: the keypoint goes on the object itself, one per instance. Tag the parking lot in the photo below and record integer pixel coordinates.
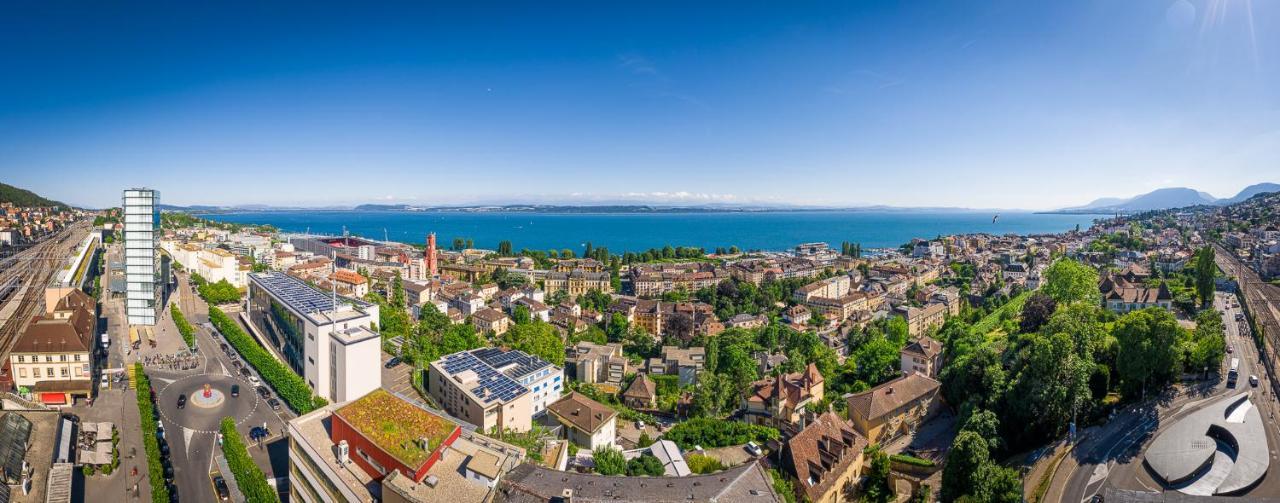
(399, 378)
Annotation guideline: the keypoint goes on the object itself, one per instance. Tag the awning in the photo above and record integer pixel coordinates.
(53, 398)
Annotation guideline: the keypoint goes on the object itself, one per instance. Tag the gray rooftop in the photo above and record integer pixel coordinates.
(748, 483)
(300, 296)
(1187, 452)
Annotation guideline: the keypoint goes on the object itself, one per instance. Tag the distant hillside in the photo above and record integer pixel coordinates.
(1162, 199)
(1252, 190)
(23, 197)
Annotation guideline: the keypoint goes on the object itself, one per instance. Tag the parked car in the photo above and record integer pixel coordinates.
(263, 391)
(244, 371)
(1231, 349)
(235, 390)
(753, 449)
(220, 486)
(253, 379)
(1253, 380)
(182, 401)
(395, 360)
(106, 382)
(275, 404)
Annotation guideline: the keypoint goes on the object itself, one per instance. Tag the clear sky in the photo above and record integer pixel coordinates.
(991, 104)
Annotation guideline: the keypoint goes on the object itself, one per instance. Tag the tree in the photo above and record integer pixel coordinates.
(520, 314)
(1050, 383)
(1036, 312)
(1206, 269)
(998, 484)
(877, 360)
(609, 461)
(680, 325)
(1147, 343)
(537, 338)
(645, 465)
(984, 423)
(504, 248)
(1068, 281)
(700, 464)
(1207, 344)
(965, 461)
(876, 488)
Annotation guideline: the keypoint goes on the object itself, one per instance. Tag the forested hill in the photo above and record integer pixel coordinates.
(22, 197)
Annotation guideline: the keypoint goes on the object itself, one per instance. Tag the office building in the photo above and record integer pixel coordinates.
(326, 339)
(143, 275)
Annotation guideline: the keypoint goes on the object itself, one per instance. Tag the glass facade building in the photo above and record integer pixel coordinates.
(143, 274)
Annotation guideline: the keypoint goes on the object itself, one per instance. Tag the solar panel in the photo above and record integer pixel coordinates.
(491, 385)
(299, 295)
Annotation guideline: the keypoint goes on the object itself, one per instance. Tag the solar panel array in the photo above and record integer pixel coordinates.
(490, 384)
(524, 364)
(296, 293)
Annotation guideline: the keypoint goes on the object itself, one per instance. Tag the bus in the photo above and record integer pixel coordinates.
(1234, 373)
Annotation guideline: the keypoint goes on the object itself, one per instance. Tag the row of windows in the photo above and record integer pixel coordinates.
(36, 374)
(47, 358)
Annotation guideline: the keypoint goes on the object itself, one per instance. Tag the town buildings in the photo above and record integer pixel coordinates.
(596, 363)
(576, 282)
(382, 447)
(588, 423)
(893, 409)
(683, 362)
(492, 388)
(922, 355)
(782, 401)
(144, 274)
(746, 483)
(825, 458)
(53, 357)
(326, 339)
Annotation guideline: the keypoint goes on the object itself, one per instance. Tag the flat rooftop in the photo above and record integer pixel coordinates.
(481, 379)
(396, 426)
(303, 298)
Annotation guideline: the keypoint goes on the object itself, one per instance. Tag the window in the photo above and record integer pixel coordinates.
(49, 371)
(62, 358)
(48, 358)
(21, 358)
(64, 372)
(77, 357)
(35, 372)
(22, 372)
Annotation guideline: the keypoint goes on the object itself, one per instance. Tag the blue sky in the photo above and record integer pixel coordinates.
(1005, 104)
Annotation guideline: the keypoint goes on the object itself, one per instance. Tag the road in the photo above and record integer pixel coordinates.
(1110, 455)
(192, 430)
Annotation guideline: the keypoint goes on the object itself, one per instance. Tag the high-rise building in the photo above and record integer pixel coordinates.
(143, 274)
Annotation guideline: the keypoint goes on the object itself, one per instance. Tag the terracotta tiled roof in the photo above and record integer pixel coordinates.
(581, 412)
(822, 452)
(641, 388)
(924, 346)
(886, 398)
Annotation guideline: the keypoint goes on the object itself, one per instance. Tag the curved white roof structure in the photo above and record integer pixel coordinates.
(1220, 449)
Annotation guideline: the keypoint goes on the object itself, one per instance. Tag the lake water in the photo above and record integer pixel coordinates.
(637, 232)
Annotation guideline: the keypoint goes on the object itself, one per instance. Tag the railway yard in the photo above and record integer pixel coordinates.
(23, 277)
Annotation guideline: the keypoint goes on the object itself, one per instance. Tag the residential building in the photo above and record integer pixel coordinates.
(144, 271)
(492, 388)
(923, 355)
(326, 339)
(895, 408)
(53, 356)
(596, 363)
(781, 401)
(825, 458)
(588, 423)
(350, 283)
(684, 362)
(747, 321)
(921, 319)
(490, 320)
(642, 394)
(382, 447)
(1121, 296)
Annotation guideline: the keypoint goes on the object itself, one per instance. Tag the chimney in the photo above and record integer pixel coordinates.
(425, 443)
(566, 495)
(889, 391)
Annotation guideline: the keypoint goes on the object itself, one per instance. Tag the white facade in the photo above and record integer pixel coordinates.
(142, 263)
(545, 387)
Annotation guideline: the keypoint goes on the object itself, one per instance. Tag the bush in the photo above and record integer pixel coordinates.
(253, 484)
(911, 460)
(645, 465)
(147, 416)
(609, 461)
(700, 464)
(222, 292)
(287, 384)
(184, 328)
(709, 432)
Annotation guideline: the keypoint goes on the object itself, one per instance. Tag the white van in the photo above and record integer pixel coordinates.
(106, 341)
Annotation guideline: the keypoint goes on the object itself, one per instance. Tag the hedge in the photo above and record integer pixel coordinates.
(289, 385)
(253, 484)
(911, 460)
(151, 444)
(184, 328)
(708, 432)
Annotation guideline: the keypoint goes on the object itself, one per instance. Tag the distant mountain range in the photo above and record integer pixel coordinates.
(1162, 199)
(23, 197)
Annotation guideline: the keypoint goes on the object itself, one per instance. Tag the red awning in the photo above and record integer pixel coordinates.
(53, 398)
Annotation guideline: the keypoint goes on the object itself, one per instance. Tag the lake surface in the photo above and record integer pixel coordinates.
(637, 232)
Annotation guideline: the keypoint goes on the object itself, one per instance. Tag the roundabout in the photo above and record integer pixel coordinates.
(208, 401)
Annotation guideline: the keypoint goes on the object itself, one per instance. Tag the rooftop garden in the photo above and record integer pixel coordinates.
(396, 426)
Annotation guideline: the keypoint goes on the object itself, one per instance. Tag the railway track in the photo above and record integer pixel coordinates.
(29, 271)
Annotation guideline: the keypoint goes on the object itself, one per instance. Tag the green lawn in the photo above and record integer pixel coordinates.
(991, 321)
